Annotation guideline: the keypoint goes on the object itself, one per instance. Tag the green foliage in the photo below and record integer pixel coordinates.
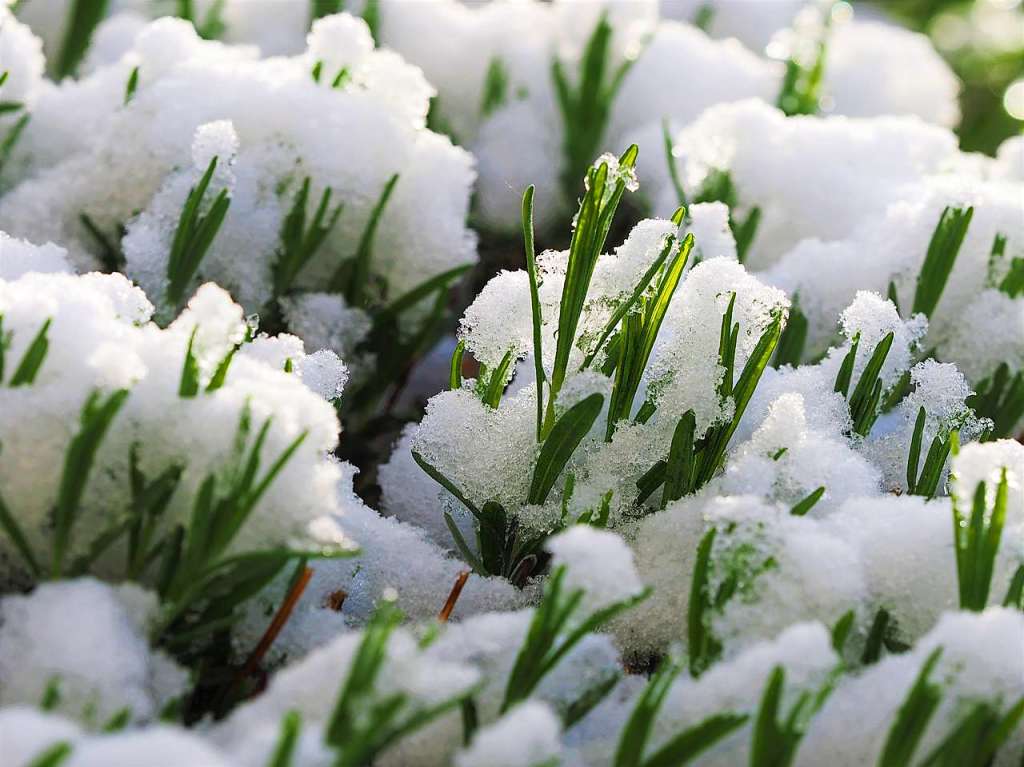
(927, 483)
(709, 449)
(492, 385)
(841, 631)
(503, 550)
(284, 750)
(640, 291)
(943, 249)
(566, 435)
(495, 90)
(703, 647)
(681, 460)
(83, 18)
(790, 350)
(1000, 398)
(194, 235)
(718, 186)
(977, 543)
(353, 275)
(683, 747)
(882, 634)
(1015, 591)
(867, 394)
(977, 737)
(395, 347)
(132, 84)
(97, 415)
(455, 368)
(537, 318)
(320, 8)
(300, 243)
(554, 630)
(638, 332)
(589, 699)
(10, 139)
(1012, 283)
(53, 756)
(801, 89)
(31, 361)
(586, 107)
(212, 25)
(807, 503)
(110, 253)
(363, 722)
(592, 224)
(670, 161)
(913, 716)
(775, 741)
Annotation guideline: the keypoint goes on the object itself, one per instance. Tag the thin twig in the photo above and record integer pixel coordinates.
(453, 596)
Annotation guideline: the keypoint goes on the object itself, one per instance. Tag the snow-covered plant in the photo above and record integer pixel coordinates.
(933, 229)
(535, 90)
(187, 459)
(307, 187)
(614, 362)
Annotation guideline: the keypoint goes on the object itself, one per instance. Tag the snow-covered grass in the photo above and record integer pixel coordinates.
(721, 466)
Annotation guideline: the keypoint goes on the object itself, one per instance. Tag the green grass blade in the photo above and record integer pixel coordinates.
(697, 629)
(673, 171)
(13, 530)
(83, 18)
(806, 504)
(284, 750)
(444, 482)
(535, 310)
(53, 756)
(912, 718)
(355, 289)
(943, 249)
(915, 451)
(132, 85)
(793, 339)
(27, 370)
(561, 443)
(637, 730)
(495, 88)
(96, 417)
(455, 368)
(688, 745)
(679, 467)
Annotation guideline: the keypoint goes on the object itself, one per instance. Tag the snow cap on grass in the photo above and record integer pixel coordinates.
(526, 736)
(598, 562)
(980, 662)
(904, 546)
(803, 650)
(785, 461)
(90, 641)
(256, 116)
(760, 148)
(99, 339)
(312, 685)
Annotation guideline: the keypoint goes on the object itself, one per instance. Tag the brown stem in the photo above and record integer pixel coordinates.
(453, 596)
